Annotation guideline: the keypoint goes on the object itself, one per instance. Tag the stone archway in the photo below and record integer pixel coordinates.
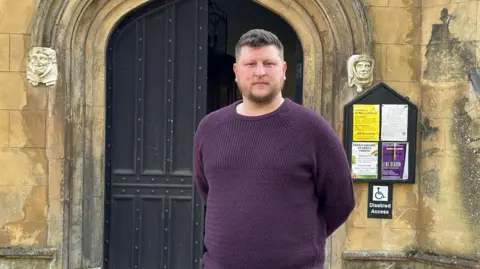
(329, 30)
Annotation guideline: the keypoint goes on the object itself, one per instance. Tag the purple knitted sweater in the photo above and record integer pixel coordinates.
(275, 187)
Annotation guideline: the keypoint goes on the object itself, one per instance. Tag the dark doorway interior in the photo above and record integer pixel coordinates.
(156, 80)
(228, 20)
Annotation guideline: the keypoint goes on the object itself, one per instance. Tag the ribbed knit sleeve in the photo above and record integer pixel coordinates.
(334, 185)
(200, 180)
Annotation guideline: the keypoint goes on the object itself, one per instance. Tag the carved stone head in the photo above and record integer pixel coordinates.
(42, 66)
(360, 71)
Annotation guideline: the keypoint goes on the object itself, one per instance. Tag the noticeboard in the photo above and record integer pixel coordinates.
(380, 136)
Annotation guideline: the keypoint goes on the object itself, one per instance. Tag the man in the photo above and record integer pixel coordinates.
(273, 174)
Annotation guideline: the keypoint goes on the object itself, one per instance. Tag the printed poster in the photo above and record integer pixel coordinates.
(394, 122)
(366, 122)
(395, 161)
(364, 160)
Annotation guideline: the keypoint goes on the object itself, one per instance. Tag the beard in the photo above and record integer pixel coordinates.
(264, 99)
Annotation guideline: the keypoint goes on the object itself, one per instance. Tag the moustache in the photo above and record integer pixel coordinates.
(260, 82)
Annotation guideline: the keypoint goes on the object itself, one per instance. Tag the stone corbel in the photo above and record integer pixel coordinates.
(42, 66)
(360, 71)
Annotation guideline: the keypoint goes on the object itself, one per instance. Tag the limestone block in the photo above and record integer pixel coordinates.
(16, 16)
(358, 218)
(444, 213)
(407, 89)
(448, 243)
(403, 62)
(432, 134)
(13, 94)
(55, 222)
(439, 175)
(459, 22)
(464, 24)
(29, 227)
(451, 144)
(4, 52)
(405, 208)
(402, 28)
(4, 128)
(380, 56)
(430, 3)
(376, 3)
(22, 167)
(27, 129)
(380, 238)
(55, 178)
(438, 99)
(19, 45)
(405, 3)
(27, 263)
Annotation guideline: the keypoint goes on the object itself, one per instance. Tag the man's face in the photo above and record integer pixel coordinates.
(260, 73)
(363, 69)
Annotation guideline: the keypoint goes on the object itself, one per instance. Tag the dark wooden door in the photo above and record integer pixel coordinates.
(156, 96)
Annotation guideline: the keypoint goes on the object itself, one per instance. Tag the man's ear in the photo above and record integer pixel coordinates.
(235, 70)
(284, 70)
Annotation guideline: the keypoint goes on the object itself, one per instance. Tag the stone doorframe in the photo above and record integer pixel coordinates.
(329, 30)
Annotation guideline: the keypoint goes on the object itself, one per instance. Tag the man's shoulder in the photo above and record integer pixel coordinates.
(213, 119)
(302, 118)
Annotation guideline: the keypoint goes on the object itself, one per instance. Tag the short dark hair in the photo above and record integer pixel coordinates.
(258, 38)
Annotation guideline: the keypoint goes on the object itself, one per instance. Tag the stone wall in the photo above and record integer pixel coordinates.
(29, 203)
(397, 52)
(449, 204)
(422, 48)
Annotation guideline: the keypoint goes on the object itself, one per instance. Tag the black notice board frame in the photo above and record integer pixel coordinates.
(382, 94)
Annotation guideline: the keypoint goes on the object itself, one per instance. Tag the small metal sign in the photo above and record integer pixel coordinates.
(380, 204)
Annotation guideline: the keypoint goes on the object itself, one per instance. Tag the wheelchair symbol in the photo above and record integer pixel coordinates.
(381, 193)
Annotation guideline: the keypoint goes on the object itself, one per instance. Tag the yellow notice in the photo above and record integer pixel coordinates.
(366, 122)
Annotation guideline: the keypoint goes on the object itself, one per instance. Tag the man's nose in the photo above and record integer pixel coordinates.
(260, 70)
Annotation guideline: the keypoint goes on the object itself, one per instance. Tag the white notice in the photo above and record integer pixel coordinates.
(394, 122)
(364, 160)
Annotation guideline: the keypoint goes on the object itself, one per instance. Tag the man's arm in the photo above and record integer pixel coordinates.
(200, 180)
(334, 184)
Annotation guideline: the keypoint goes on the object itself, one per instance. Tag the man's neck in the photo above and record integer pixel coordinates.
(252, 109)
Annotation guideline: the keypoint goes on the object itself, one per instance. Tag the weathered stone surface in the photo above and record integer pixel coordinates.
(380, 56)
(26, 224)
(55, 222)
(4, 128)
(405, 3)
(22, 167)
(4, 52)
(15, 16)
(26, 263)
(432, 133)
(380, 238)
(451, 47)
(27, 129)
(403, 63)
(13, 93)
(402, 21)
(411, 90)
(376, 3)
(466, 134)
(19, 45)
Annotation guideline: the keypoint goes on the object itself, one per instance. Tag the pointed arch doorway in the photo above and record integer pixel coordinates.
(159, 57)
(79, 31)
